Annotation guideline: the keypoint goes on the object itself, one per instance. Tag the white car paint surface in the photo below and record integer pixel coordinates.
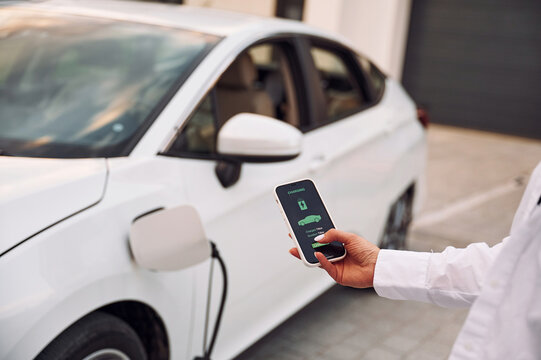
(37, 193)
(64, 223)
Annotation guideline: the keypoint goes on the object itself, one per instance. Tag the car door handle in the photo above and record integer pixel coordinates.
(317, 162)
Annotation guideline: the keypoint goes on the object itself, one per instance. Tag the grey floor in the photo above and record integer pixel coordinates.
(474, 183)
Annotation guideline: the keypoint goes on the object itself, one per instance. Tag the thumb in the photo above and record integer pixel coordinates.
(326, 265)
(335, 235)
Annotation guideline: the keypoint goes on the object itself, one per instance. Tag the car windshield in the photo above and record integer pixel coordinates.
(74, 86)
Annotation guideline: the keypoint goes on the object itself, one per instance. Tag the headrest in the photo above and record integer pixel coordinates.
(241, 74)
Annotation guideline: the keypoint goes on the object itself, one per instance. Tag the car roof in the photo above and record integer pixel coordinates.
(200, 19)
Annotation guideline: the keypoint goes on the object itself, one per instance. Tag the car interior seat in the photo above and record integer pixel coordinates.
(236, 91)
(280, 86)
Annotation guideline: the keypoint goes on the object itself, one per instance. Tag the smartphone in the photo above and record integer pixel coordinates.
(306, 217)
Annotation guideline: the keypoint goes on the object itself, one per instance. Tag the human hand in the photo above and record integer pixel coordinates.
(357, 268)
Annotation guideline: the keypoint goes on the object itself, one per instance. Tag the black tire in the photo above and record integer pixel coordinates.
(398, 223)
(96, 336)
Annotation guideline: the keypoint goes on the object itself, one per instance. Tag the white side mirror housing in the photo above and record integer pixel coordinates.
(253, 137)
(171, 239)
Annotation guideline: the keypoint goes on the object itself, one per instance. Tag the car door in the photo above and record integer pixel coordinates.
(235, 200)
(352, 160)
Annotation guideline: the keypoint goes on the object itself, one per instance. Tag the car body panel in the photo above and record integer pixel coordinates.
(247, 228)
(36, 193)
(84, 263)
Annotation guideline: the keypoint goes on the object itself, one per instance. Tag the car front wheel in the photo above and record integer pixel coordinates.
(97, 336)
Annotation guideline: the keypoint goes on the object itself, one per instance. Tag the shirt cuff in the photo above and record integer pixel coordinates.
(401, 275)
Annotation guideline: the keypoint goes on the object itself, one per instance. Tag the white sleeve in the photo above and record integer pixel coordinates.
(452, 278)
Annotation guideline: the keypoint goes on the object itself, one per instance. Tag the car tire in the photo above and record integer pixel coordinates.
(398, 223)
(97, 336)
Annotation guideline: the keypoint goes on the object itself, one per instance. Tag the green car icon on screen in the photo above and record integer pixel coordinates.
(310, 219)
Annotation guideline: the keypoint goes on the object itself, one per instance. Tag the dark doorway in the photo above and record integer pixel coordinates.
(477, 63)
(290, 9)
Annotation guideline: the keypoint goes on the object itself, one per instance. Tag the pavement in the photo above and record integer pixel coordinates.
(475, 181)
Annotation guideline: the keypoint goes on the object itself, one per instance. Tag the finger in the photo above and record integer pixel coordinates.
(338, 235)
(295, 252)
(326, 265)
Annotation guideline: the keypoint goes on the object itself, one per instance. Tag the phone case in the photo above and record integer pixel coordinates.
(293, 237)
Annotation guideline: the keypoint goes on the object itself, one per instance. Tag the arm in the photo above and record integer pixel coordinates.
(452, 278)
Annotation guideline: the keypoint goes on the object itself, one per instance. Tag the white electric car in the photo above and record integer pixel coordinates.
(113, 110)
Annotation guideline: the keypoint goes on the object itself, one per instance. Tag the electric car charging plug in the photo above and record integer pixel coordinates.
(207, 351)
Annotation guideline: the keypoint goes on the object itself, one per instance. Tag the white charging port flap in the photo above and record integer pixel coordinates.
(170, 239)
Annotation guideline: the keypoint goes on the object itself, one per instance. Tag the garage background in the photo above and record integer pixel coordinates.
(477, 64)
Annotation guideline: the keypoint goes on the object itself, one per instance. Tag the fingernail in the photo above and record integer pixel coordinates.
(319, 237)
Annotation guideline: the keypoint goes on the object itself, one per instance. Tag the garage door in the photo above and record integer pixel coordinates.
(477, 63)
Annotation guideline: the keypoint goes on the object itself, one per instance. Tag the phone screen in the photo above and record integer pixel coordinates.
(308, 218)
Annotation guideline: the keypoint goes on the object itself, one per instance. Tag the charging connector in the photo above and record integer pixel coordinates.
(208, 351)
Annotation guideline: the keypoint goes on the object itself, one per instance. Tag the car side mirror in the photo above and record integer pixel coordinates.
(170, 239)
(250, 137)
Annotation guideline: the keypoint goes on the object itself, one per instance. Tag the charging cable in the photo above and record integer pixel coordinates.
(207, 351)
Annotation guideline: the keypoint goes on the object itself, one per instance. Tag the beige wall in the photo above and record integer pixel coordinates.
(255, 7)
(325, 14)
(377, 28)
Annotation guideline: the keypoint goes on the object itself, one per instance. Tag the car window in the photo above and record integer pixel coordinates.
(374, 75)
(74, 86)
(259, 81)
(275, 77)
(342, 93)
(199, 134)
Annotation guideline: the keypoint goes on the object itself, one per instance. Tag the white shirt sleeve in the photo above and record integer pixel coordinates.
(452, 278)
